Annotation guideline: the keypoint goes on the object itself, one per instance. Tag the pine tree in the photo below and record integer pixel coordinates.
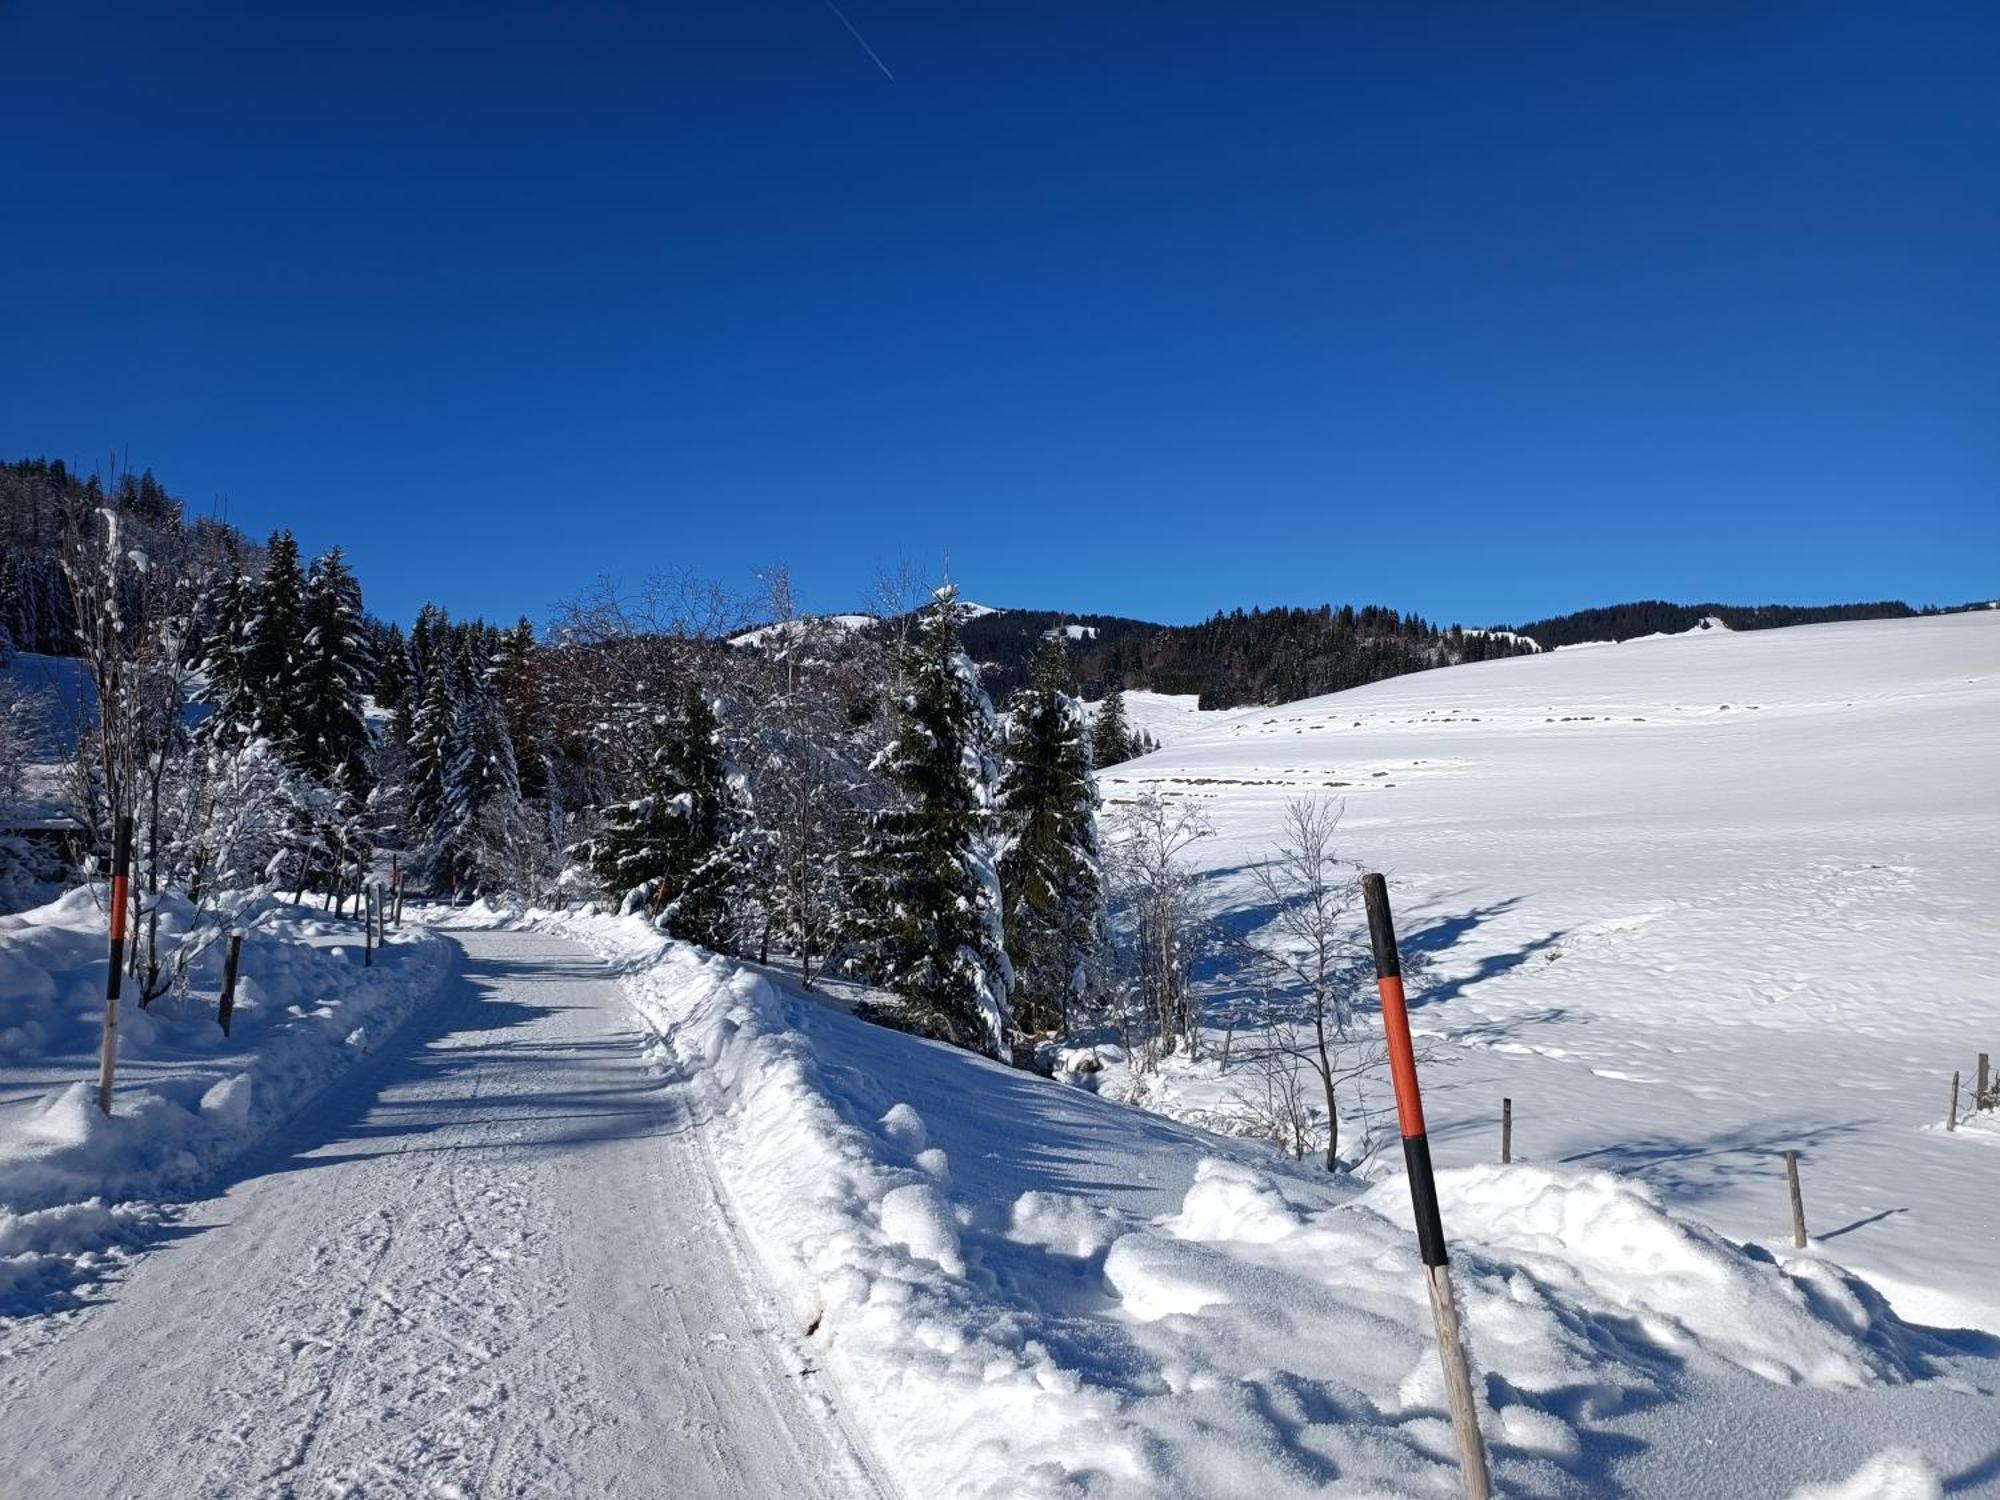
(272, 657)
(1050, 874)
(333, 674)
(681, 845)
(516, 678)
(392, 670)
(433, 750)
(481, 786)
(225, 665)
(931, 893)
(1110, 739)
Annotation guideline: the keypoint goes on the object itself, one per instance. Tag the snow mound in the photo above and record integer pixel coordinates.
(189, 1099)
(1099, 1302)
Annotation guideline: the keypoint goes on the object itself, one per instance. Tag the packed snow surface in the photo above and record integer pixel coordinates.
(78, 1187)
(1690, 902)
(490, 1262)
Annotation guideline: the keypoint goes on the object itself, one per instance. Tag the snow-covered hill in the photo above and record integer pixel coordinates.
(1690, 902)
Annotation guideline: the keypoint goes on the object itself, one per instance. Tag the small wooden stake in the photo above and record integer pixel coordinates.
(1951, 1115)
(229, 965)
(1984, 1077)
(1798, 1201)
(121, 884)
(1506, 1131)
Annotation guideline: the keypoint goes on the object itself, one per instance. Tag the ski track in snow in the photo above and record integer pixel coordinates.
(495, 1262)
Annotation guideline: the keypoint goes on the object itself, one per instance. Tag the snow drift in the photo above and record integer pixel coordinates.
(1023, 1290)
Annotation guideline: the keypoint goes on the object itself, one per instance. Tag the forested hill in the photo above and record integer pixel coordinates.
(1624, 622)
(1242, 657)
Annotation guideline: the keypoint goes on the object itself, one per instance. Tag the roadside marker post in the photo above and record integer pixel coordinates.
(229, 966)
(1506, 1131)
(1423, 1191)
(121, 887)
(1798, 1201)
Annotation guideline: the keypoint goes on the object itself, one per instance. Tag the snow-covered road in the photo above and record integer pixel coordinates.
(493, 1262)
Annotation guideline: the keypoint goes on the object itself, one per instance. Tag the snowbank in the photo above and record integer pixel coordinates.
(1023, 1290)
(75, 1185)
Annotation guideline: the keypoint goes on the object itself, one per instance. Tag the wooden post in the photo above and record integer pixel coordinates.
(396, 887)
(229, 966)
(367, 928)
(121, 882)
(1951, 1115)
(1798, 1201)
(1506, 1131)
(1983, 1094)
(1423, 1192)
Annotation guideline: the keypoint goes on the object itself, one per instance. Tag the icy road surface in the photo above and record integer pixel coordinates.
(494, 1262)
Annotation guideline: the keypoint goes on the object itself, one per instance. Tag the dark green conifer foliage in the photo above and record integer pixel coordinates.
(930, 893)
(1050, 875)
(677, 848)
(1111, 738)
(276, 629)
(333, 673)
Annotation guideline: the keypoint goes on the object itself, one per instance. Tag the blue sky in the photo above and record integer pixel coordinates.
(1487, 311)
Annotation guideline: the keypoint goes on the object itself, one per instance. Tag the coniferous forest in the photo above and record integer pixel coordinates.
(833, 798)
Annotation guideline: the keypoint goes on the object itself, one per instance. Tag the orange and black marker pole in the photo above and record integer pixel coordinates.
(1423, 1190)
(121, 896)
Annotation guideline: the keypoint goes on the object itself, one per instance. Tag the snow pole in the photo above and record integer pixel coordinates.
(367, 928)
(1423, 1191)
(227, 1008)
(121, 886)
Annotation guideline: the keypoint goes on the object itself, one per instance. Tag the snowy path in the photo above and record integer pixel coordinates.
(493, 1263)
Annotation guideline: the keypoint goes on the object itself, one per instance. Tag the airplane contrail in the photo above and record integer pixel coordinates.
(872, 56)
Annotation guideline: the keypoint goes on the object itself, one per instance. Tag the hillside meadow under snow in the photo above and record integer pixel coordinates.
(1690, 902)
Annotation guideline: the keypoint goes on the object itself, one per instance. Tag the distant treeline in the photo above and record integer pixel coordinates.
(44, 507)
(1234, 659)
(1624, 622)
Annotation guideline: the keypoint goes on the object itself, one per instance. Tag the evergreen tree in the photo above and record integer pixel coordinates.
(481, 786)
(273, 648)
(1050, 873)
(433, 751)
(681, 846)
(225, 666)
(516, 669)
(931, 893)
(1110, 739)
(392, 670)
(333, 676)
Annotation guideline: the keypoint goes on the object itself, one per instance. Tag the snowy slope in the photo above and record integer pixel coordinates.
(1023, 1290)
(1691, 902)
(1168, 717)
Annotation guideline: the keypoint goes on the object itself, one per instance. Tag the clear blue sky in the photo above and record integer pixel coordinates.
(1486, 310)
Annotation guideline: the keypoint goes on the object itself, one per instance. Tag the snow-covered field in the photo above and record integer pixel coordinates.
(1022, 1289)
(77, 1188)
(1168, 717)
(1690, 902)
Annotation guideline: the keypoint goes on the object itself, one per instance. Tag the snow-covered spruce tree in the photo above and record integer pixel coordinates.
(225, 665)
(433, 749)
(1050, 873)
(679, 849)
(334, 670)
(482, 783)
(273, 648)
(1110, 738)
(930, 898)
